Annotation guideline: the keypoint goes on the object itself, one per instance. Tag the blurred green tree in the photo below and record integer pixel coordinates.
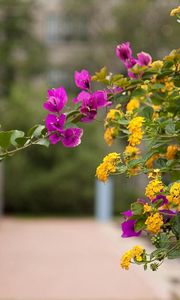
(22, 54)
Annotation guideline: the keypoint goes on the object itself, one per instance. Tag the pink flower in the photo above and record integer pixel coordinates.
(82, 79)
(57, 98)
(90, 103)
(69, 137)
(144, 59)
(72, 137)
(100, 99)
(124, 52)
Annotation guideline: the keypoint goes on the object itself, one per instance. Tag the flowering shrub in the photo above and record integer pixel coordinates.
(143, 109)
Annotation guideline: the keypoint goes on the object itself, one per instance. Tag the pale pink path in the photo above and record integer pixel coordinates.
(57, 259)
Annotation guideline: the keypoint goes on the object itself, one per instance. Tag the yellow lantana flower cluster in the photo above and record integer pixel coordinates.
(108, 166)
(109, 135)
(153, 188)
(135, 129)
(150, 161)
(174, 194)
(111, 115)
(175, 11)
(154, 223)
(135, 253)
(172, 151)
(132, 104)
(147, 208)
(131, 152)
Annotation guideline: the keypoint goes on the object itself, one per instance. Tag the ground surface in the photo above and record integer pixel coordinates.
(73, 260)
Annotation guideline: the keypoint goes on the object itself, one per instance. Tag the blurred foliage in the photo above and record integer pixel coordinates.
(21, 53)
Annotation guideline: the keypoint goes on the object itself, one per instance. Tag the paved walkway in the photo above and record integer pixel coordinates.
(58, 259)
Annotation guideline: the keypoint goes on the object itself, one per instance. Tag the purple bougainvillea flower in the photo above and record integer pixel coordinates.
(160, 197)
(82, 79)
(144, 59)
(83, 97)
(54, 123)
(114, 90)
(128, 229)
(124, 52)
(127, 213)
(130, 62)
(89, 111)
(167, 214)
(72, 137)
(57, 98)
(100, 99)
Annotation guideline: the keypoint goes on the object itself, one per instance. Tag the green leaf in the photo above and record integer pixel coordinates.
(147, 112)
(164, 73)
(137, 208)
(163, 240)
(140, 224)
(170, 128)
(21, 141)
(43, 142)
(36, 130)
(72, 113)
(157, 86)
(176, 225)
(174, 254)
(138, 92)
(160, 163)
(5, 139)
(16, 134)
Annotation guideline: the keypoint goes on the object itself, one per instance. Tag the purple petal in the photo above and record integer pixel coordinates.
(128, 229)
(83, 97)
(72, 137)
(127, 213)
(53, 122)
(144, 59)
(162, 197)
(124, 52)
(55, 138)
(82, 79)
(57, 98)
(100, 98)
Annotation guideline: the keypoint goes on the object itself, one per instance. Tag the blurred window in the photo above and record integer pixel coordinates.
(56, 77)
(53, 28)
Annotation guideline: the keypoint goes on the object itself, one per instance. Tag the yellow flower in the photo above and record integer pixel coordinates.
(131, 152)
(132, 104)
(174, 195)
(134, 253)
(157, 65)
(154, 223)
(111, 115)
(135, 129)
(137, 252)
(126, 260)
(150, 161)
(108, 166)
(147, 208)
(175, 11)
(172, 151)
(109, 135)
(153, 188)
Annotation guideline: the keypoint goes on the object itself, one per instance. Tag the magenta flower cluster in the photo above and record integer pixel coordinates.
(128, 226)
(124, 53)
(55, 123)
(88, 101)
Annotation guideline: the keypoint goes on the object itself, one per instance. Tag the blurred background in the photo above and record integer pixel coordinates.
(42, 43)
